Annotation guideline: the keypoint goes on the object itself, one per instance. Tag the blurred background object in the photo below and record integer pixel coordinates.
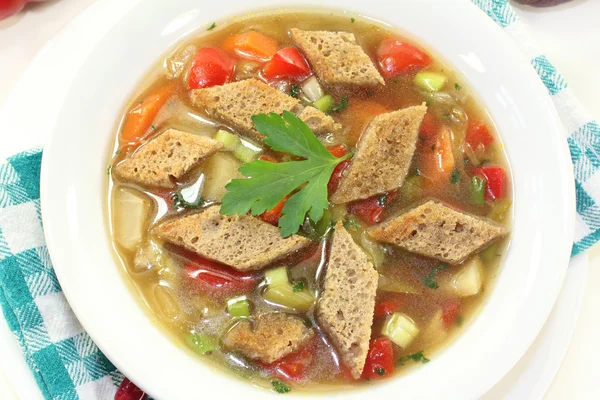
(10, 7)
(542, 3)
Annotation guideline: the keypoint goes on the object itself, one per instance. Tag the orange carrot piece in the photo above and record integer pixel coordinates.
(139, 119)
(436, 159)
(252, 45)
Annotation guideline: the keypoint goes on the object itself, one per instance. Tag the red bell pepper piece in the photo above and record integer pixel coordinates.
(218, 280)
(371, 210)
(397, 58)
(211, 67)
(272, 216)
(450, 310)
(387, 307)
(288, 64)
(334, 182)
(380, 359)
(495, 179)
(478, 136)
(294, 366)
(129, 391)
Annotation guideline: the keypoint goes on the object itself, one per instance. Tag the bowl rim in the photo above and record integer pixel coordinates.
(52, 162)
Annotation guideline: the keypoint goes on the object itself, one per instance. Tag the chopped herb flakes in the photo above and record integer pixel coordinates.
(455, 177)
(382, 200)
(352, 20)
(341, 106)
(119, 151)
(457, 86)
(380, 371)
(416, 357)
(212, 26)
(446, 117)
(428, 103)
(180, 202)
(430, 280)
(294, 90)
(298, 287)
(280, 387)
(351, 224)
(153, 127)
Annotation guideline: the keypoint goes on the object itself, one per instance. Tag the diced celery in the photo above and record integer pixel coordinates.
(277, 276)
(325, 103)
(238, 307)
(467, 281)
(230, 141)
(489, 253)
(411, 187)
(500, 210)
(400, 329)
(477, 190)
(246, 153)
(431, 81)
(393, 285)
(312, 89)
(202, 343)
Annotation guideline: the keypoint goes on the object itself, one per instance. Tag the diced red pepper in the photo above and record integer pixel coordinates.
(450, 310)
(388, 307)
(129, 391)
(218, 280)
(380, 359)
(266, 157)
(272, 216)
(287, 64)
(478, 136)
(495, 178)
(211, 67)
(371, 210)
(397, 58)
(294, 366)
(337, 151)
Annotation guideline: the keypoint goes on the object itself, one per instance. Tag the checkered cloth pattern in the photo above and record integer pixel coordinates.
(63, 359)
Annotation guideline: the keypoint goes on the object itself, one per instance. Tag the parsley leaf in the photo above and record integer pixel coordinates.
(294, 90)
(298, 287)
(341, 106)
(454, 178)
(352, 20)
(180, 202)
(380, 371)
(416, 357)
(457, 86)
(212, 26)
(280, 387)
(351, 223)
(268, 183)
(429, 280)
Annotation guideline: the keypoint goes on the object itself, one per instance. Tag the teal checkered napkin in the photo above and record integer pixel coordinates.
(64, 360)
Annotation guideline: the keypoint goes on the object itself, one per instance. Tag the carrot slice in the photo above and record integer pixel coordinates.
(436, 160)
(140, 117)
(252, 45)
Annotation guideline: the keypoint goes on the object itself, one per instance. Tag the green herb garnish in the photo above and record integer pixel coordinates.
(428, 103)
(380, 371)
(382, 199)
(446, 117)
(352, 20)
(268, 183)
(457, 86)
(180, 202)
(212, 26)
(294, 90)
(455, 177)
(298, 287)
(153, 127)
(119, 151)
(280, 387)
(429, 280)
(351, 223)
(341, 105)
(416, 357)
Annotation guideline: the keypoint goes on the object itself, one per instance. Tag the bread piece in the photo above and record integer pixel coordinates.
(438, 231)
(242, 242)
(269, 338)
(170, 155)
(347, 303)
(383, 155)
(336, 58)
(234, 104)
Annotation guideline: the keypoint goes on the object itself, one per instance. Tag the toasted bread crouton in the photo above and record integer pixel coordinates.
(242, 242)
(438, 231)
(170, 155)
(336, 58)
(234, 104)
(269, 338)
(383, 155)
(347, 303)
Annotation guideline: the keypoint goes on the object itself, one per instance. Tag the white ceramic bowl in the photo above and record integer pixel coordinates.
(74, 194)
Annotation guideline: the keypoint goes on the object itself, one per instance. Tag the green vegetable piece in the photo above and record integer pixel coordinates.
(298, 287)
(490, 253)
(477, 190)
(280, 387)
(230, 141)
(430, 280)
(277, 276)
(246, 154)
(430, 81)
(280, 291)
(238, 307)
(416, 357)
(400, 329)
(325, 104)
(201, 343)
(268, 183)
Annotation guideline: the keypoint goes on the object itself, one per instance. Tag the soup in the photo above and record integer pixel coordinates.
(309, 201)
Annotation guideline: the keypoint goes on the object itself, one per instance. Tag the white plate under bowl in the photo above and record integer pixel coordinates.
(73, 195)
